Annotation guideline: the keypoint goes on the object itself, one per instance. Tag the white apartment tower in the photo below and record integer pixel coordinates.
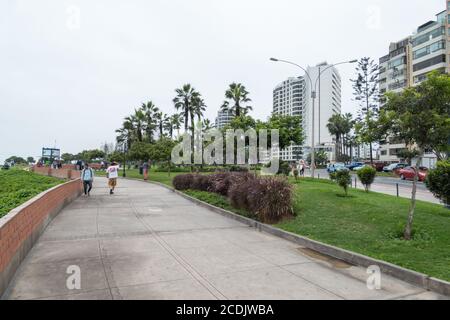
(223, 119)
(293, 97)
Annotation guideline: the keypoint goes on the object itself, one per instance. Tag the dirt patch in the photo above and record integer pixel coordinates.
(335, 263)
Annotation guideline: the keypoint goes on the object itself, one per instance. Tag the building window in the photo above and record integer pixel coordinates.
(428, 63)
(429, 36)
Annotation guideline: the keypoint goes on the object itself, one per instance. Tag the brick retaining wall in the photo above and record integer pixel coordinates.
(65, 173)
(22, 226)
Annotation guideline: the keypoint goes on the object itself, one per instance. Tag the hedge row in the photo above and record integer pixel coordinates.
(268, 199)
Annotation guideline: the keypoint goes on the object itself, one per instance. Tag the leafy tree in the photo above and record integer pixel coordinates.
(236, 97)
(173, 123)
(438, 181)
(343, 179)
(420, 117)
(67, 157)
(320, 156)
(161, 151)
(30, 160)
(366, 92)
(289, 127)
(140, 151)
(367, 176)
(16, 160)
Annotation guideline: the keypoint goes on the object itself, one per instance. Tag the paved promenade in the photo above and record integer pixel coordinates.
(145, 242)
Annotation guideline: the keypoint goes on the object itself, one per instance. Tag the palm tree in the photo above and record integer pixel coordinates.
(237, 95)
(199, 108)
(138, 120)
(149, 110)
(335, 128)
(206, 125)
(184, 101)
(173, 123)
(126, 133)
(161, 121)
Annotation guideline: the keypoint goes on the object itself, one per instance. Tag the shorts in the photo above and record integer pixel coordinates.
(112, 182)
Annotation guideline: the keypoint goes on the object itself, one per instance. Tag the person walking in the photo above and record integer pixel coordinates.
(87, 177)
(112, 173)
(145, 168)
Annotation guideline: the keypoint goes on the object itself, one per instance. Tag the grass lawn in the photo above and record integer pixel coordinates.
(370, 224)
(18, 186)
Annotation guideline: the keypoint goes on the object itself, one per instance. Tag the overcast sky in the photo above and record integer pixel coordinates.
(71, 70)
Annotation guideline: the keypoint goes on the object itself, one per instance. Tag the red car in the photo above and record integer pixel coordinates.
(408, 173)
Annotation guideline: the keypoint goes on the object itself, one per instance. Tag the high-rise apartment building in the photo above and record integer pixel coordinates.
(293, 97)
(223, 119)
(408, 63)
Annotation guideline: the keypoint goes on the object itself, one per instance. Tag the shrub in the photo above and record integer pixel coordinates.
(201, 182)
(270, 199)
(238, 195)
(296, 174)
(333, 175)
(235, 168)
(221, 182)
(438, 181)
(367, 176)
(343, 179)
(183, 181)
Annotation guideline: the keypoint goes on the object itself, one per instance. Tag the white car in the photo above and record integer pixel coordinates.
(360, 167)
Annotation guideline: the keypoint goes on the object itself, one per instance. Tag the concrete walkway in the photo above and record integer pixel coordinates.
(145, 242)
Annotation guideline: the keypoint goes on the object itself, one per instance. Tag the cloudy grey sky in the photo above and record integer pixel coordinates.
(73, 83)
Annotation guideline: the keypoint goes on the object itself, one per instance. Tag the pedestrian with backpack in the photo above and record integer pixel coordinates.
(87, 177)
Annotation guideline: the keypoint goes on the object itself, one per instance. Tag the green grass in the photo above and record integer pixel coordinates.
(367, 223)
(372, 224)
(18, 186)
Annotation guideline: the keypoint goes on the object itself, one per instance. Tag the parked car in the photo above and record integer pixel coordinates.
(408, 173)
(394, 167)
(379, 165)
(336, 167)
(354, 165)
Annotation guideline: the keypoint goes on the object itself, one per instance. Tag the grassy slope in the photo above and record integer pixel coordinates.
(18, 186)
(369, 224)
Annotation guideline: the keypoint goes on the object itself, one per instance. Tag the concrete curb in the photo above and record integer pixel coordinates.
(416, 278)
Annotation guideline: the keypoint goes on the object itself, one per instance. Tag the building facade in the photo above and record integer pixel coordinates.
(223, 119)
(408, 63)
(293, 97)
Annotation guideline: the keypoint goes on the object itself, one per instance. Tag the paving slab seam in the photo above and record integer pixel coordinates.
(401, 296)
(108, 273)
(315, 284)
(183, 263)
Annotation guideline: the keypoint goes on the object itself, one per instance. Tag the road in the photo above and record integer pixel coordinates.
(146, 242)
(388, 185)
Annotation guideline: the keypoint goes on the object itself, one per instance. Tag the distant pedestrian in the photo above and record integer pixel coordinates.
(112, 173)
(145, 167)
(87, 177)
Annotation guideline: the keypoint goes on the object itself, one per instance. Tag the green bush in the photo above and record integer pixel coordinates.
(367, 175)
(344, 179)
(438, 181)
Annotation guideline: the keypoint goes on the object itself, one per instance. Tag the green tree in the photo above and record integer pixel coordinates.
(438, 181)
(236, 97)
(161, 151)
(184, 101)
(67, 157)
(140, 151)
(367, 176)
(420, 117)
(344, 180)
(340, 126)
(30, 160)
(366, 92)
(321, 157)
(16, 160)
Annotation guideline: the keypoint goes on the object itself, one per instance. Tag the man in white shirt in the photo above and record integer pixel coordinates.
(113, 174)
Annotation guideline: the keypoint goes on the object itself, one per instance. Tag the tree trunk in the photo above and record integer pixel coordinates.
(371, 154)
(409, 223)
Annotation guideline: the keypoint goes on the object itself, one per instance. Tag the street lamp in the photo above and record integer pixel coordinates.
(313, 97)
(125, 151)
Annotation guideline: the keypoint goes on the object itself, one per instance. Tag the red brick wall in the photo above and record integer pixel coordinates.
(18, 225)
(57, 173)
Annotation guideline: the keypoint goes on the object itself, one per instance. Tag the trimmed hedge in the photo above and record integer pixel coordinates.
(268, 199)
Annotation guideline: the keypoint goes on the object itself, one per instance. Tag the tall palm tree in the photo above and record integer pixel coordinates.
(149, 110)
(199, 108)
(335, 128)
(161, 121)
(237, 96)
(138, 120)
(173, 123)
(184, 101)
(206, 125)
(126, 133)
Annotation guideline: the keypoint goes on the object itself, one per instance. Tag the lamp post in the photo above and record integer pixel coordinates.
(313, 97)
(125, 150)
